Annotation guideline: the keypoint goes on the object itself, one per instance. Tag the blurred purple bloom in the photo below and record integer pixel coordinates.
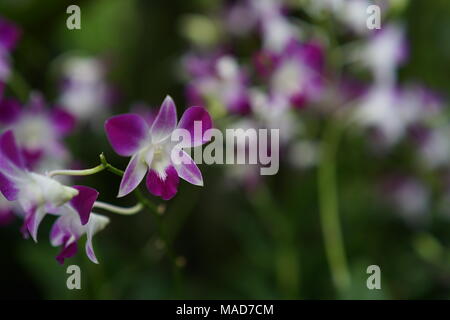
(39, 131)
(298, 74)
(150, 148)
(9, 34)
(218, 79)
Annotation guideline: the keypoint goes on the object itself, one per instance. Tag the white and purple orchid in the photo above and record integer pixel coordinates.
(150, 148)
(298, 73)
(220, 80)
(38, 130)
(37, 194)
(75, 220)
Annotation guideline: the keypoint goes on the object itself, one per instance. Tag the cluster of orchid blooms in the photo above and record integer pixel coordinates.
(266, 67)
(32, 153)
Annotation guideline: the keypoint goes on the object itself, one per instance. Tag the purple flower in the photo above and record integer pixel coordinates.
(76, 220)
(39, 131)
(150, 148)
(9, 34)
(298, 74)
(36, 194)
(218, 79)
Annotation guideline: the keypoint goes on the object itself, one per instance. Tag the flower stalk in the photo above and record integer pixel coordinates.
(329, 209)
(119, 210)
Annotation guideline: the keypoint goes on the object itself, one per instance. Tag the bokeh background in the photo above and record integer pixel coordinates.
(232, 241)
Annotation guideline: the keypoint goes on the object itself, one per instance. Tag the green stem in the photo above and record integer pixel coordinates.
(329, 211)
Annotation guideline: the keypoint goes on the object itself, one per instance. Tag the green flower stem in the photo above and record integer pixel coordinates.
(119, 210)
(329, 211)
(85, 172)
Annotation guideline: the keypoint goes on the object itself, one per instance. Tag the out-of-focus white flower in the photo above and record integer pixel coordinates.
(384, 52)
(84, 91)
(435, 150)
(384, 109)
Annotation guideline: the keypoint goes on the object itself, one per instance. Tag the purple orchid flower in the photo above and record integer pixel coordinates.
(38, 130)
(36, 194)
(150, 148)
(298, 74)
(218, 78)
(76, 219)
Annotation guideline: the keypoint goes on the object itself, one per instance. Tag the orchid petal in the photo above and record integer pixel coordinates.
(33, 219)
(98, 223)
(67, 252)
(165, 122)
(192, 117)
(166, 187)
(134, 173)
(8, 188)
(187, 169)
(126, 132)
(9, 149)
(84, 202)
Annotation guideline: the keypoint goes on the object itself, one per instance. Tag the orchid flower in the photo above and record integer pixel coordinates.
(38, 131)
(150, 148)
(298, 73)
(76, 219)
(36, 194)
(219, 79)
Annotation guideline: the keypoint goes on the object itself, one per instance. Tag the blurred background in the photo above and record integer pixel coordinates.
(380, 182)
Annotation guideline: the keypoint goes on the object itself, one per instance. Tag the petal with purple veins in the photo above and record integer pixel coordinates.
(165, 122)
